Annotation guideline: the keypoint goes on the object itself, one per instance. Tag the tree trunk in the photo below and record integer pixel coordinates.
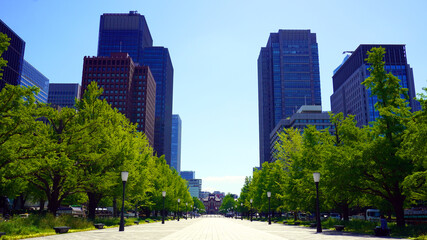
(345, 211)
(94, 199)
(398, 209)
(53, 205)
(41, 206)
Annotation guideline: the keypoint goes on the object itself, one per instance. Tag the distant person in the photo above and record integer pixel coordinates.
(383, 222)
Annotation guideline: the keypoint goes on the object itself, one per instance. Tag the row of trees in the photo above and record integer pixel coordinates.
(75, 156)
(383, 164)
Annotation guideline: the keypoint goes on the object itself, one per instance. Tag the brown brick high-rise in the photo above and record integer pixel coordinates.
(128, 87)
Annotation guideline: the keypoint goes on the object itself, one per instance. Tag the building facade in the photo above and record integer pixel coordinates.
(195, 187)
(212, 204)
(288, 77)
(129, 33)
(64, 94)
(128, 87)
(30, 76)
(159, 61)
(305, 116)
(351, 97)
(14, 56)
(176, 143)
(124, 32)
(187, 175)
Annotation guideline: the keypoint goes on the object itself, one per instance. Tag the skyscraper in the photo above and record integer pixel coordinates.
(288, 77)
(176, 143)
(129, 32)
(30, 76)
(187, 175)
(123, 32)
(63, 94)
(127, 87)
(159, 61)
(18, 71)
(14, 56)
(351, 97)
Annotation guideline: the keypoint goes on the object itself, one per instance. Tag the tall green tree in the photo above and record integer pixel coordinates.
(342, 151)
(414, 147)
(384, 170)
(227, 204)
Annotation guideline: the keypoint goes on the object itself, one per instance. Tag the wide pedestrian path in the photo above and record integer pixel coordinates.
(211, 228)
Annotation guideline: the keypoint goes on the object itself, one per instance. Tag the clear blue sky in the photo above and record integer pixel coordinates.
(214, 46)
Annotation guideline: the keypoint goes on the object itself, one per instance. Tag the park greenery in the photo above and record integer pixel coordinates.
(383, 165)
(74, 156)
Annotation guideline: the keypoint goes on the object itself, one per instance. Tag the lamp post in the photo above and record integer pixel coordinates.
(122, 217)
(163, 215)
(269, 205)
(177, 213)
(191, 213)
(316, 177)
(186, 211)
(241, 211)
(251, 208)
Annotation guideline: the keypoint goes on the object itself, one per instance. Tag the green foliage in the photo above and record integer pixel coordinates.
(74, 156)
(383, 164)
(199, 204)
(228, 203)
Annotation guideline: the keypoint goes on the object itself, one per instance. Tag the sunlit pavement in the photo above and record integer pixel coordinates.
(211, 228)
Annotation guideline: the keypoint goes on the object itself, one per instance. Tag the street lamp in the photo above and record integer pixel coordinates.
(163, 215)
(186, 211)
(251, 208)
(269, 205)
(122, 218)
(241, 211)
(179, 200)
(316, 177)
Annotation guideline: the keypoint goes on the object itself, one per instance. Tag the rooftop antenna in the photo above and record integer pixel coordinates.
(347, 52)
(120, 46)
(305, 100)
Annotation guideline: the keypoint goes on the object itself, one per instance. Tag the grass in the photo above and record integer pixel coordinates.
(39, 226)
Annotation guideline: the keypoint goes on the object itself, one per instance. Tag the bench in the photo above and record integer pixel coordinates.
(339, 228)
(136, 222)
(147, 221)
(99, 225)
(2, 233)
(284, 222)
(63, 229)
(297, 223)
(313, 225)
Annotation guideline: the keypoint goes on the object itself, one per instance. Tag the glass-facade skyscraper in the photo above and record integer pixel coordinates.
(351, 97)
(159, 61)
(288, 77)
(176, 143)
(64, 94)
(129, 32)
(119, 32)
(14, 56)
(18, 71)
(30, 76)
(187, 175)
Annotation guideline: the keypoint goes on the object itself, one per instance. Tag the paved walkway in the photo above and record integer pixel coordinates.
(211, 229)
